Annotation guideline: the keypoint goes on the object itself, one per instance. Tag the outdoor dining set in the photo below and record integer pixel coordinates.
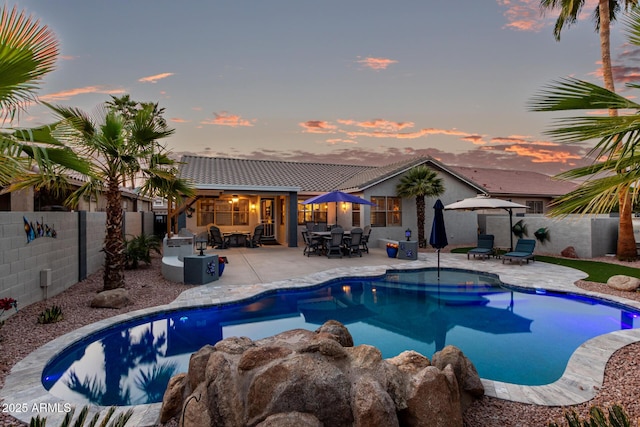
(335, 242)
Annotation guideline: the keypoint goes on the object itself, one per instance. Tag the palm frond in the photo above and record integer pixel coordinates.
(27, 52)
(575, 94)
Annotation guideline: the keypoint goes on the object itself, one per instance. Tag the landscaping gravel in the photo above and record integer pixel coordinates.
(22, 334)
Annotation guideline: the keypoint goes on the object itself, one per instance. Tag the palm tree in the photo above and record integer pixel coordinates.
(613, 180)
(419, 182)
(603, 15)
(118, 148)
(28, 52)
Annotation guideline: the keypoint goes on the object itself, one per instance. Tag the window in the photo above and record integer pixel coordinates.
(355, 214)
(312, 213)
(534, 206)
(223, 212)
(205, 212)
(387, 211)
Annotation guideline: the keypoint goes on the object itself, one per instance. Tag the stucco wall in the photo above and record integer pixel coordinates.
(590, 236)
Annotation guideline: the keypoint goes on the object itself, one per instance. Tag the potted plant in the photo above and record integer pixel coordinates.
(392, 250)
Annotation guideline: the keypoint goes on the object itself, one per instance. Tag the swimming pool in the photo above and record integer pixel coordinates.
(511, 335)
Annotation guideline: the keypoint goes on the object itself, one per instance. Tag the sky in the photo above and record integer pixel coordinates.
(358, 81)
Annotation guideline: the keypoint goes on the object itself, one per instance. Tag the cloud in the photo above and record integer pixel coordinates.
(526, 15)
(541, 155)
(318, 126)
(179, 120)
(67, 94)
(376, 63)
(155, 78)
(226, 119)
(377, 124)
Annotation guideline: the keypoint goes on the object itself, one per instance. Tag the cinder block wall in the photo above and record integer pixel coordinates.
(590, 236)
(74, 253)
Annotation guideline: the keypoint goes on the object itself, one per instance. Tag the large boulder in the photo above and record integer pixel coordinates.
(113, 298)
(621, 282)
(306, 378)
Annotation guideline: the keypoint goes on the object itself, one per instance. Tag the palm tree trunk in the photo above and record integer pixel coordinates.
(626, 249)
(420, 209)
(113, 276)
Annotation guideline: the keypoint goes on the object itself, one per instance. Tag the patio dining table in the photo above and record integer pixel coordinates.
(236, 238)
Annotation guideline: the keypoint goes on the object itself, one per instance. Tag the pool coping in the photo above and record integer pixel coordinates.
(579, 383)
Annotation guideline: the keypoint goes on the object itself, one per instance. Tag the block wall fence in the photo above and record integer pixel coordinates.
(41, 266)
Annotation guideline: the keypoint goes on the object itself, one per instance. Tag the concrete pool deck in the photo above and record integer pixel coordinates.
(254, 271)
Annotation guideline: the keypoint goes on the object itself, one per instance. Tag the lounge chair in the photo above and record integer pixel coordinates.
(485, 247)
(256, 239)
(523, 251)
(215, 238)
(352, 243)
(311, 245)
(334, 243)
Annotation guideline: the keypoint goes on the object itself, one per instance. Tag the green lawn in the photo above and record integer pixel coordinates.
(597, 271)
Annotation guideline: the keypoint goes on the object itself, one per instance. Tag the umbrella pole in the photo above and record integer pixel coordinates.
(438, 250)
(511, 228)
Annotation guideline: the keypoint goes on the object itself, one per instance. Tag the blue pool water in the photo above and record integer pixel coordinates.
(510, 335)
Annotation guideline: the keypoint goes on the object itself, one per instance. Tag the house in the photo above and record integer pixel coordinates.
(238, 194)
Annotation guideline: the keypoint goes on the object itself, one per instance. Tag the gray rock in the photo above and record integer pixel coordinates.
(113, 298)
(621, 282)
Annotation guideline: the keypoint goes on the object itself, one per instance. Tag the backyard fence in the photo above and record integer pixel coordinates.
(44, 253)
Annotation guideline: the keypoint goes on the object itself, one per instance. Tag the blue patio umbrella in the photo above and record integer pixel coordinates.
(438, 238)
(336, 197)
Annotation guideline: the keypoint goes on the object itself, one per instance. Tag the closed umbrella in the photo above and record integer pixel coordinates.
(483, 201)
(337, 197)
(438, 238)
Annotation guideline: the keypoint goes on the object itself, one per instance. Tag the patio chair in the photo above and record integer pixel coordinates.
(216, 240)
(485, 247)
(311, 245)
(523, 251)
(334, 243)
(256, 239)
(365, 239)
(353, 242)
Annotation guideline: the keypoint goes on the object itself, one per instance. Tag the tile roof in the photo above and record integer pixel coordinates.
(311, 177)
(323, 177)
(511, 182)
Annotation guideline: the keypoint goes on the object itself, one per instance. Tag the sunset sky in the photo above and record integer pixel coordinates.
(354, 81)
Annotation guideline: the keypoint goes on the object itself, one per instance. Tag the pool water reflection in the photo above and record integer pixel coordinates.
(511, 335)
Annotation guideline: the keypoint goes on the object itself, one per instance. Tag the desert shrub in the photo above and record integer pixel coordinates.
(52, 314)
(119, 421)
(138, 249)
(617, 418)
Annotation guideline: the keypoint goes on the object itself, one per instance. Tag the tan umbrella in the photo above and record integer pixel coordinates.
(484, 201)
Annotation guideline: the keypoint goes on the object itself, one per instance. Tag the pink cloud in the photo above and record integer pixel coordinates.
(318, 126)
(155, 78)
(543, 155)
(67, 94)
(376, 63)
(378, 124)
(526, 15)
(226, 119)
(178, 120)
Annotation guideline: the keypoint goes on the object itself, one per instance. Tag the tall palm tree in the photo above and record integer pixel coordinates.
(420, 182)
(605, 13)
(118, 148)
(27, 53)
(613, 180)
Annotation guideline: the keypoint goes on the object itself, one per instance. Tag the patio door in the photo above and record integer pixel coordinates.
(267, 212)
